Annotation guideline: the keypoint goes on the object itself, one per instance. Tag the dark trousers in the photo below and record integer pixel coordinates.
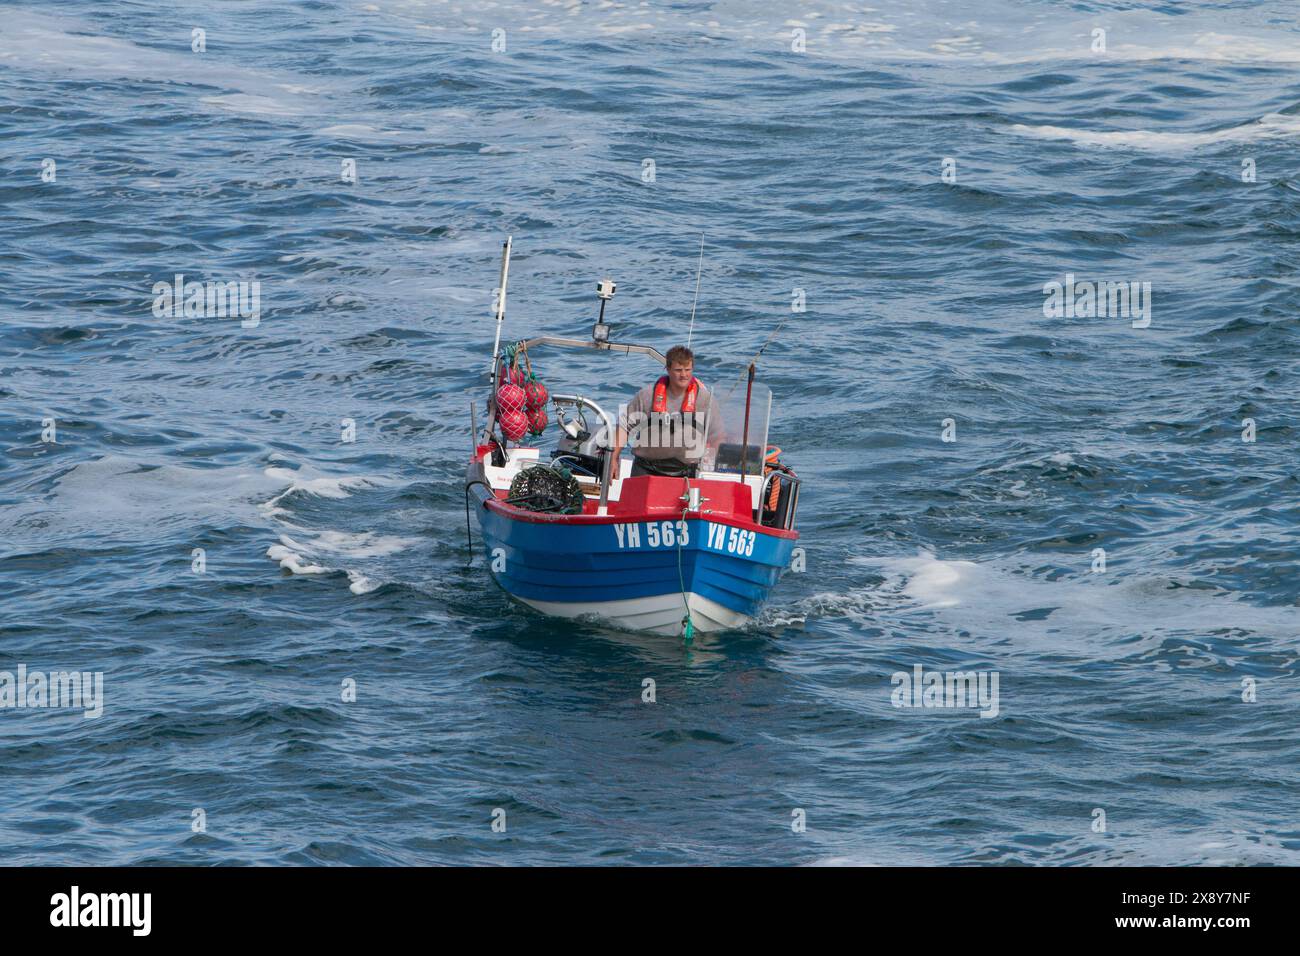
(663, 467)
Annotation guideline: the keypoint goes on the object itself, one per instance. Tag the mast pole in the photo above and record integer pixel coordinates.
(496, 345)
(501, 303)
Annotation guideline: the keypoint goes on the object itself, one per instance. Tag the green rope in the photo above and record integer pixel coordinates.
(688, 626)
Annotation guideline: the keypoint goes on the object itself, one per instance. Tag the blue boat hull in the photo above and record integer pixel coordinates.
(639, 574)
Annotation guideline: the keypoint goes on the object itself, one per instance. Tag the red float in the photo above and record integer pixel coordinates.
(537, 419)
(514, 424)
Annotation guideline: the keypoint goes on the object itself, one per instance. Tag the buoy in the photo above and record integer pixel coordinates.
(510, 398)
(512, 375)
(535, 394)
(537, 420)
(514, 424)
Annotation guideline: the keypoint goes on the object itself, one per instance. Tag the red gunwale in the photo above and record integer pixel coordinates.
(519, 514)
(666, 488)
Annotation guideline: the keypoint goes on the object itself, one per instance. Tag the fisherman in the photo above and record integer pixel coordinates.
(670, 420)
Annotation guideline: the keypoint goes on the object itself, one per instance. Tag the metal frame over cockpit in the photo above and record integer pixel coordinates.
(593, 344)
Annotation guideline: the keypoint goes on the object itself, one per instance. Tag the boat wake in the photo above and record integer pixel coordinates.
(983, 608)
(307, 551)
(1110, 615)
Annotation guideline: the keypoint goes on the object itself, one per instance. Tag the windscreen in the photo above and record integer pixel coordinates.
(726, 427)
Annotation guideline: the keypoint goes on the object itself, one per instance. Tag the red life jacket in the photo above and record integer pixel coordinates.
(661, 395)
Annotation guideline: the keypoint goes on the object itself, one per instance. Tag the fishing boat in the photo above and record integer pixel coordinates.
(671, 555)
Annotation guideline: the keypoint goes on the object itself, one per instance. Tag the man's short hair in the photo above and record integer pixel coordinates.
(679, 354)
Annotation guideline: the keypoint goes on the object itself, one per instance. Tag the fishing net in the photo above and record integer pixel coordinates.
(546, 488)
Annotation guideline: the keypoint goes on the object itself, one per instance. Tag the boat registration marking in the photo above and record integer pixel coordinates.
(732, 540)
(672, 534)
(658, 534)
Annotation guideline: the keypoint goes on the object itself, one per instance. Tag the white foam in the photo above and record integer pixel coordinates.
(1061, 458)
(292, 561)
(933, 583)
(1017, 490)
(125, 497)
(456, 293)
(1272, 125)
(909, 30)
(1236, 847)
(365, 544)
(1214, 47)
(360, 584)
(1211, 45)
(298, 556)
(1126, 610)
(41, 43)
(308, 482)
(359, 131)
(252, 104)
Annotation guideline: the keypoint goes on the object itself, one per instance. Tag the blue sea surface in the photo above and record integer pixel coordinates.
(917, 174)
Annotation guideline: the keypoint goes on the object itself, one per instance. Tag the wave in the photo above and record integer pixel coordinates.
(131, 498)
(1118, 614)
(292, 557)
(307, 481)
(305, 553)
(1272, 125)
(43, 43)
(912, 30)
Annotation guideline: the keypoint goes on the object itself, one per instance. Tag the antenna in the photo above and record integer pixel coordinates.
(500, 306)
(698, 270)
(756, 356)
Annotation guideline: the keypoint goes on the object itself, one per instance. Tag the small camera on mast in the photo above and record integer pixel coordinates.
(605, 291)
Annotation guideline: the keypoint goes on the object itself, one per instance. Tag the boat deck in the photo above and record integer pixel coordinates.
(722, 494)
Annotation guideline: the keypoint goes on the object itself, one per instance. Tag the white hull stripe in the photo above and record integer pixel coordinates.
(661, 614)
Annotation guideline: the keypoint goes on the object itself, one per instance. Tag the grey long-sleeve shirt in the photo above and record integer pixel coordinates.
(670, 434)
